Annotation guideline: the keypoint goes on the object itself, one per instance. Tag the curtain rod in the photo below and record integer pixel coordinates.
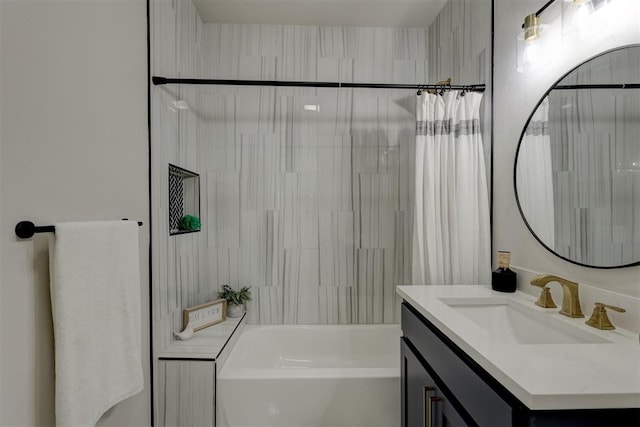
(157, 80)
(600, 86)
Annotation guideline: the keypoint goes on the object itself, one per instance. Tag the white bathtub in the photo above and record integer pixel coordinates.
(321, 376)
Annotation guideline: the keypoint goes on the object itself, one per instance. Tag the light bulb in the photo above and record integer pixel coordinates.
(579, 20)
(582, 18)
(529, 49)
(531, 53)
(530, 56)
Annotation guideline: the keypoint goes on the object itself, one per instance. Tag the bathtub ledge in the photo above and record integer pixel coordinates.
(209, 344)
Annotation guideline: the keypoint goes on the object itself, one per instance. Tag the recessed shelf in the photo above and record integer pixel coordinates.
(184, 199)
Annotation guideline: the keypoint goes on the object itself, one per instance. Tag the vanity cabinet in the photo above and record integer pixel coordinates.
(424, 401)
(476, 401)
(443, 386)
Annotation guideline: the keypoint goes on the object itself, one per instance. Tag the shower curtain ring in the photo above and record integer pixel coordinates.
(443, 85)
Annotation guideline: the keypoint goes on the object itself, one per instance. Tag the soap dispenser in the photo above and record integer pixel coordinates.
(503, 279)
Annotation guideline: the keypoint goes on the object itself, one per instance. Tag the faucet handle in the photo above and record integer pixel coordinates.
(611, 307)
(599, 318)
(545, 300)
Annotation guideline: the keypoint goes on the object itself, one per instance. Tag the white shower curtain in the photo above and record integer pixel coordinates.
(534, 176)
(451, 235)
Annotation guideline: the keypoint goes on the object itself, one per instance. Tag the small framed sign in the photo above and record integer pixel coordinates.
(204, 315)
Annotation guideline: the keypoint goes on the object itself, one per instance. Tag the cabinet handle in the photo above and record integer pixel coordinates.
(432, 401)
(426, 408)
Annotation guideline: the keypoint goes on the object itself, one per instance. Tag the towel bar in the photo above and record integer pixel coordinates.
(26, 229)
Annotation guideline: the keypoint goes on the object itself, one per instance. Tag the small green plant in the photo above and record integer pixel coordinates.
(234, 297)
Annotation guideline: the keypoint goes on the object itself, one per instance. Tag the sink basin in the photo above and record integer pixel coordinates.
(511, 322)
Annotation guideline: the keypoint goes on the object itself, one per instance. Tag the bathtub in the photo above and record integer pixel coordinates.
(303, 376)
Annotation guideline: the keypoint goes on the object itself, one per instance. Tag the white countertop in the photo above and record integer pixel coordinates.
(206, 344)
(542, 376)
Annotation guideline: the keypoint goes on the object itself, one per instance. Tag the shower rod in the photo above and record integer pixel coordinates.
(157, 80)
(600, 86)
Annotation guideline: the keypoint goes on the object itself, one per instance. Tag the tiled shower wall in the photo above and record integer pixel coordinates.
(460, 48)
(178, 263)
(311, 209)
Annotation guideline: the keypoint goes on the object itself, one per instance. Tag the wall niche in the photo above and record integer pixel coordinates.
(184, 201)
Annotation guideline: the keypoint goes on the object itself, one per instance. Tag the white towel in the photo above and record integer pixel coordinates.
(95, 299)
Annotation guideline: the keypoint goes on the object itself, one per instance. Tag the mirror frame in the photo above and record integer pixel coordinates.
(515, 163)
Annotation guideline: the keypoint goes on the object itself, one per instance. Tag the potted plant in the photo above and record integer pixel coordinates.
(235, 299)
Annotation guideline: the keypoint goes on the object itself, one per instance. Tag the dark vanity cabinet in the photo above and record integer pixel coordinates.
(429, 362)
(442, 386)
(425, 403)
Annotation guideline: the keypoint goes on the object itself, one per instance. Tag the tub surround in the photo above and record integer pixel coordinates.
(541, 376)
(190, 368)
(208, 343)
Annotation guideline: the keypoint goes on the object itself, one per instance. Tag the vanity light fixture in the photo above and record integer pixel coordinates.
(529, 50)
(579, 20)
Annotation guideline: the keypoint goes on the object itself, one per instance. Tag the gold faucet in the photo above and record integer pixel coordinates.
(570, 300)
(599, 318)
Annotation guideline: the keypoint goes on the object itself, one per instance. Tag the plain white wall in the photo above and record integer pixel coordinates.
(515, 97)
(73, 107)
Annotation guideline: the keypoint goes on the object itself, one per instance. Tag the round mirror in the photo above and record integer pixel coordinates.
(577, 172)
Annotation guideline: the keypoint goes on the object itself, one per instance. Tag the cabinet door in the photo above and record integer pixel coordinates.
(423, 403)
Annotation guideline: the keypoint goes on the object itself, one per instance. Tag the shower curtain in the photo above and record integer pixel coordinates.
(451, 234)
(534, 176)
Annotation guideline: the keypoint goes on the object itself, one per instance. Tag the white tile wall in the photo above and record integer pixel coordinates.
(186, 392)
(460, 48)
(314, 210)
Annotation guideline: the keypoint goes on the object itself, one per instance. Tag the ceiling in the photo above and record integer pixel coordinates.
(359, 13)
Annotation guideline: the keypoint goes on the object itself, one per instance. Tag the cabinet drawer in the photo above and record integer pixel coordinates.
(474, 394)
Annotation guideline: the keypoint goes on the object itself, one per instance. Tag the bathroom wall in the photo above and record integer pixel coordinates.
(73, 147)
(311, 209)
(315, 209)
(460, 48)
(515, 97)
(179, 266)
